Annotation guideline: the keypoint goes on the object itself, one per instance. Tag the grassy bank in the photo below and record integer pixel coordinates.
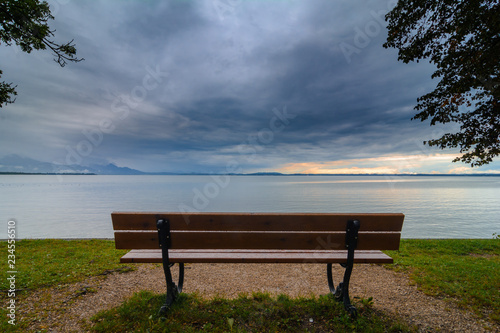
(463, 271)
(49, 262)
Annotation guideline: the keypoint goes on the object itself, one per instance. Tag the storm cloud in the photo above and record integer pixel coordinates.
(200, 86)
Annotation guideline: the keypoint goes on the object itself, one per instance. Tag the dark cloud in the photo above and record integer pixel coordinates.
(188, 86)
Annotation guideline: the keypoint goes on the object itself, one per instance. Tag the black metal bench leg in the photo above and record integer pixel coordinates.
(181, 277)
(337, 292)
(330, 279)
(172, 289)
(342, 291)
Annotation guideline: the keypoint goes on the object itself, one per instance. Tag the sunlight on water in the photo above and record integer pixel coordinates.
(80, 206)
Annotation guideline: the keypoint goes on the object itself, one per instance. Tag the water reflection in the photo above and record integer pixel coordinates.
(435, 207)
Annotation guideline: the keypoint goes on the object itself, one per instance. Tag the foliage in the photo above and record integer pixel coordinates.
(25, 23)
(6, 92)
(462, 38)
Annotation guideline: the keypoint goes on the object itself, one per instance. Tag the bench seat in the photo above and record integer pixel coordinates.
(256, 256)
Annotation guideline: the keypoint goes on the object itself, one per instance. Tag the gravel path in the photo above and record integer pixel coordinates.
(392, 292)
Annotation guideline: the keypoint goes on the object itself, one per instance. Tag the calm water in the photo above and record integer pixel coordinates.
(80, 206)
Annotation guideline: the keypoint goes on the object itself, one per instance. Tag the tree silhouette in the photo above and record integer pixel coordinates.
(462, 38)
(25, 24)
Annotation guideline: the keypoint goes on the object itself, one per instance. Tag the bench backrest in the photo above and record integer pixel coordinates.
(299, 231)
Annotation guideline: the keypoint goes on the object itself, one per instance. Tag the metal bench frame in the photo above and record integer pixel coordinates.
(341, 292)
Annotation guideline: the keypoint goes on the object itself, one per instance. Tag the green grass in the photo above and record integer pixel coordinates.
(466, 271)
(49, 262)
(257, 313)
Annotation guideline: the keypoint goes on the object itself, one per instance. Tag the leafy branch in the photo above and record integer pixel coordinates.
(25, 23)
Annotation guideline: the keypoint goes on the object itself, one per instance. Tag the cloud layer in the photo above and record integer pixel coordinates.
(200, 86)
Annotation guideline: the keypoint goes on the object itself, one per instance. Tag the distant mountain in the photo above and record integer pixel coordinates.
(112, 169)
(265, 174)
(17, 164)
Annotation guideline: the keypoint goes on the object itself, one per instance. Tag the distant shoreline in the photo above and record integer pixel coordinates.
(256, 174)
(47, 174)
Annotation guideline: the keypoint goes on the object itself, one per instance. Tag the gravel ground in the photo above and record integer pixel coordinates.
(65, 308)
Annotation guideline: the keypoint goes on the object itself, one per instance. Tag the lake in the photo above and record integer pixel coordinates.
(49, 206)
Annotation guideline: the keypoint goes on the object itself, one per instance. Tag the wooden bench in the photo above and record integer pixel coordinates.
(170, 238)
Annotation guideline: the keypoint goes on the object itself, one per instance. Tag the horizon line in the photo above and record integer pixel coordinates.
(141, 173)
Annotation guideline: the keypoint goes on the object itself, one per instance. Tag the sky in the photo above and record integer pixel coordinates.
(224, 86)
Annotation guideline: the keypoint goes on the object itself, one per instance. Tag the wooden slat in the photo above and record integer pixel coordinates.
(257, 221)
(257, 240)
(255, 256)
